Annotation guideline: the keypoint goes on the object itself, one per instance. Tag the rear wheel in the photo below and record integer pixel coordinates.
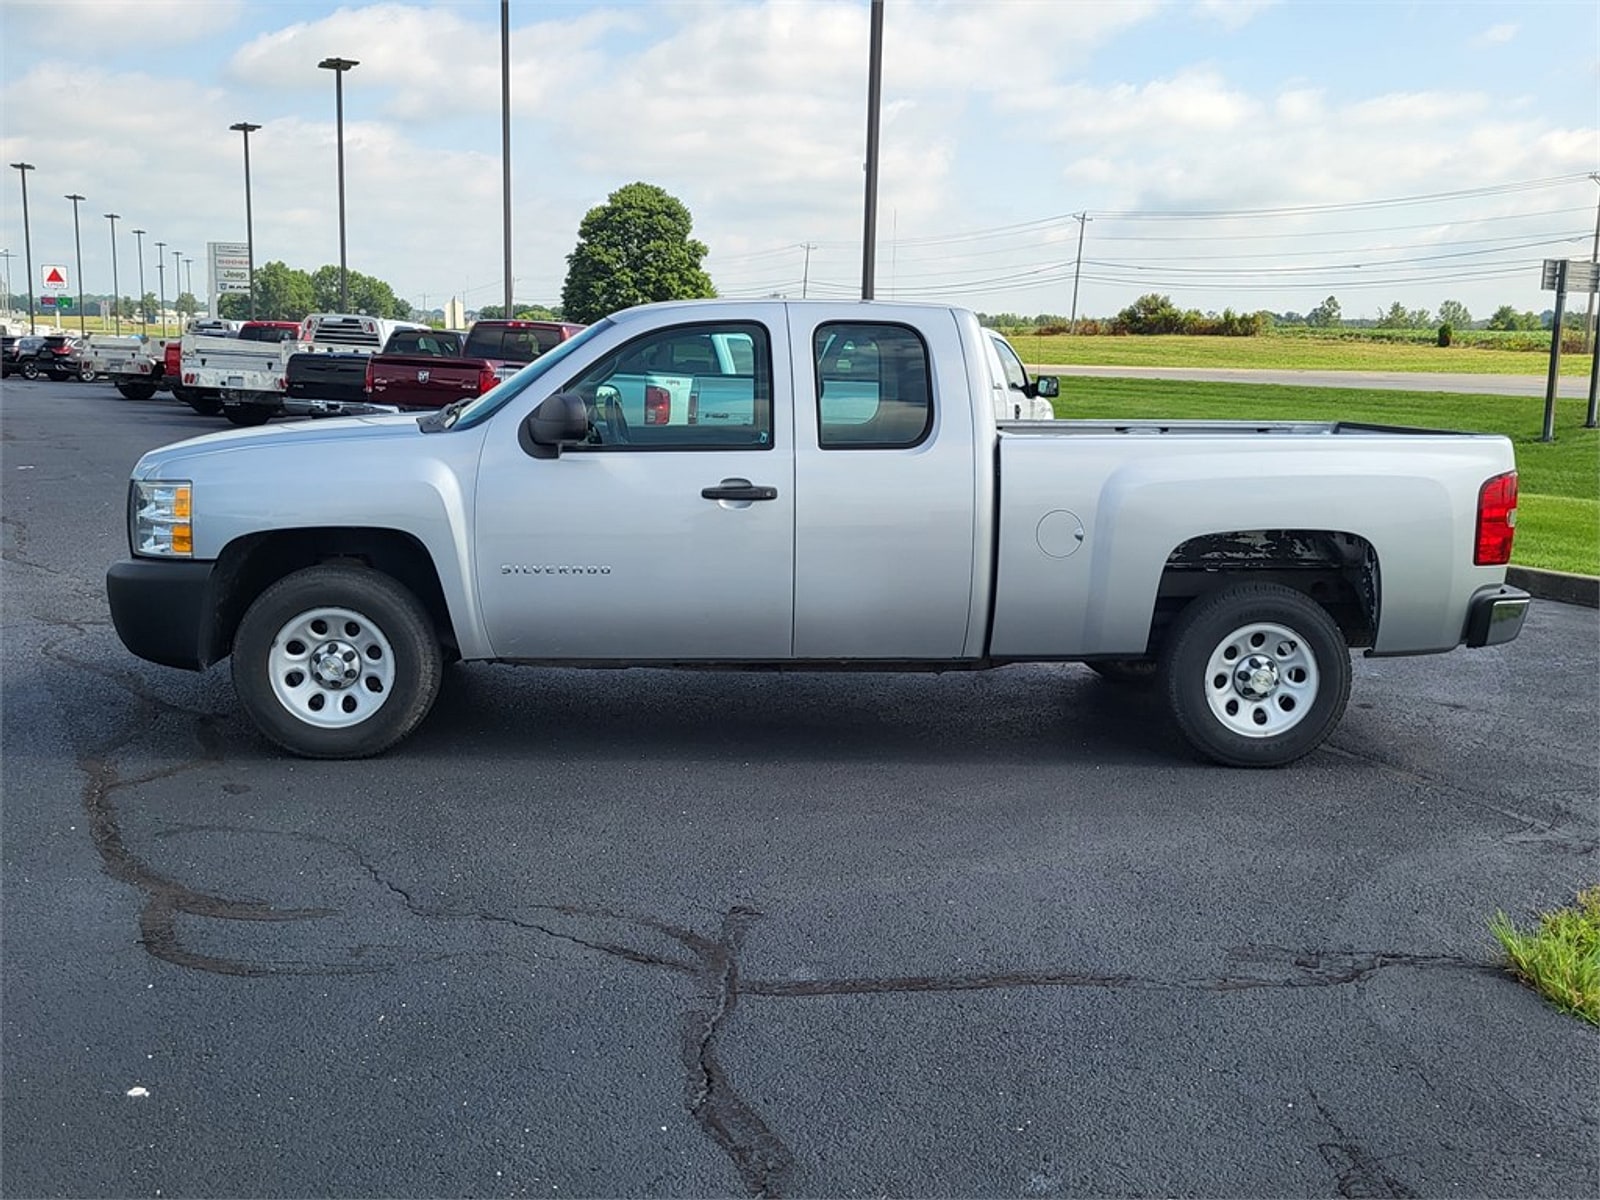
(137, 391)
(336, 662)
(87, 375)
(1256, 675)
(247, 415)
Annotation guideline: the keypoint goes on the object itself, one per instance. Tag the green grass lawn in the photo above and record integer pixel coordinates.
(1558, 509)
(1281, 352)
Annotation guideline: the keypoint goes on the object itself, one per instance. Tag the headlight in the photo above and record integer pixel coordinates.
(159, 518)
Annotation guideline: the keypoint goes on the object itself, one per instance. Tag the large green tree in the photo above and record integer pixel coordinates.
(367, 294)
(283, 293)
(633, 249)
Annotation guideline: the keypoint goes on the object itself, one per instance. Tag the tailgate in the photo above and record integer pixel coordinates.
(327, 376)
(419, 381)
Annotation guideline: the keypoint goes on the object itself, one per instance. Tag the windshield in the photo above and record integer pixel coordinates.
(496, 398)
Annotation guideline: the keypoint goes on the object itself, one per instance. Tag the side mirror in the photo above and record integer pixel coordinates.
(1047, 386)
(562, 419)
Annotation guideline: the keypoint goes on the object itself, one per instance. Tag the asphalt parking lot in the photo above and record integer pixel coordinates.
(655, 934)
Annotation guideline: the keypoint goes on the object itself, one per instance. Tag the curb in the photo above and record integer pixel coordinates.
(1556, 585)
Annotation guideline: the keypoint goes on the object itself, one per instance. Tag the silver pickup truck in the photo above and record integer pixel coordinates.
(876, 504)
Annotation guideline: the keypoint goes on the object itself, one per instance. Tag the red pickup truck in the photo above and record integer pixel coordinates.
(418, 369)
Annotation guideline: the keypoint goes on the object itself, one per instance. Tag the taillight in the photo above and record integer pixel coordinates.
(486, 378)
(692, 417)
(366, 384)
(1497, 520)
(657, 405)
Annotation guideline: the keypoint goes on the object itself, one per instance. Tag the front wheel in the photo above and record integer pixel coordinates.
(1256, 675)
(30, 370)
(336, 662)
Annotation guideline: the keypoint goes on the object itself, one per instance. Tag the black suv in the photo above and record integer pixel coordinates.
(59, 357)
(20, 356)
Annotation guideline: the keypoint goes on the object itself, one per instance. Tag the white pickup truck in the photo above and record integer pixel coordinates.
(240, 374)
(902, 519)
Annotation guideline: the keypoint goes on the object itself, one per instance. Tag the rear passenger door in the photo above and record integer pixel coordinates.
(885, 483)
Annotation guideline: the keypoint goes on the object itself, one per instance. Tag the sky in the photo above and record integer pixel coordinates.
(1240, 154)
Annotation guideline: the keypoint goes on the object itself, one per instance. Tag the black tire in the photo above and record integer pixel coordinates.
(245, 414)
(203, 403)
(87, 375)
(137, 391)
(1256, 675)
(1127, 672)
(30, 370)
(355, 693)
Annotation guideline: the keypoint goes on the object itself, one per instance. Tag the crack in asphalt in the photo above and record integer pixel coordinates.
(1362, 1175)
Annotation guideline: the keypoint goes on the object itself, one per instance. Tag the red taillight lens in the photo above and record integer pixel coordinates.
(366, 384)
(486, 378)
(657, 405)
(1497, 521)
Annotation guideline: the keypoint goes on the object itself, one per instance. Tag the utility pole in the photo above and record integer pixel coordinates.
(116, 288)
(144, 313)
(27, 237)
(1082, 219)
(1594, 257)
(805, 274)
(77, 243)
(869, 237)
(505, 138)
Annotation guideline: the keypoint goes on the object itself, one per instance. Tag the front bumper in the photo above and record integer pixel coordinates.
(163, 610)
(1496, 615)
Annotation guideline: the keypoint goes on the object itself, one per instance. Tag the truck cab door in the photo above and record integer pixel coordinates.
(886, 482)
(658, 539)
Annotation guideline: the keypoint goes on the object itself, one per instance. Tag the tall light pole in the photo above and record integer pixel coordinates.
(27, 238)
(869, 232)
(161, 278)
(77, 243)
(144, 313)
(339, 66)
(116, 288)
(505, 136)
(8, 256)
(177, 264)
(188, 273)
(247, 129)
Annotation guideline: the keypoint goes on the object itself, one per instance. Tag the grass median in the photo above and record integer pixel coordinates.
(1558, 511)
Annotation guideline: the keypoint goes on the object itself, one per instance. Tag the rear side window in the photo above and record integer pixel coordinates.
(872, 387)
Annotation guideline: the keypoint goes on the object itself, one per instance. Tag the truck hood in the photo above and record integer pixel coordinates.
(166, 460)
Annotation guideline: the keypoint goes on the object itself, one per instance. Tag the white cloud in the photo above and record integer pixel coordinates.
(1497, 35)
(1233, 14)
(164, 22)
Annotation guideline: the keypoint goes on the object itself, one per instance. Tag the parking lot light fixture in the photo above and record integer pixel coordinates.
(144, 313)
(27, 237)
(116, 288)
(77, 244)
(161, 275)
(246, 128)
(177, 265)
(339, 66)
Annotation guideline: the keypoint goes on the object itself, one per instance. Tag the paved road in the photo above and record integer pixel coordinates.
(1570, 387)
(637, 933)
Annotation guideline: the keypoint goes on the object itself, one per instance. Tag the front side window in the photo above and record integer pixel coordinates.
(692, 387)
(872, 386)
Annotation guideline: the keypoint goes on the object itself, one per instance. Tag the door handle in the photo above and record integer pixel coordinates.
(738, 489)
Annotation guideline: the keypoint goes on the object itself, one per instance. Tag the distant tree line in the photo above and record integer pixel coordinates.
(284, 293)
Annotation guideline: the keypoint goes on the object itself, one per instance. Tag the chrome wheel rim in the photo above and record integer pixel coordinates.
(331, 667)
(1261, 680)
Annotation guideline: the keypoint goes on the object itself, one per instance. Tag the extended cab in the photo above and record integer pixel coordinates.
(410, 375)
(869, 500)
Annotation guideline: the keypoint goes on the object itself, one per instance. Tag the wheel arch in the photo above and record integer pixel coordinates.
(1337, 569)
(250, 564)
